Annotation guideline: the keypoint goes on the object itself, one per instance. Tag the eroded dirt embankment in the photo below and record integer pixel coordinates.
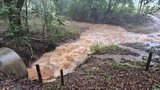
(69, 55)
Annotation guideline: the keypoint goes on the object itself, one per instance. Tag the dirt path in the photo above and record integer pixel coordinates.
(69, 55)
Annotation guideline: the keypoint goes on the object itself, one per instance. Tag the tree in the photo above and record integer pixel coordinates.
(14, 15)
(145, 8)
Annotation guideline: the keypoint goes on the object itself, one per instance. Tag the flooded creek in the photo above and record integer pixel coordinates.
(68, 56)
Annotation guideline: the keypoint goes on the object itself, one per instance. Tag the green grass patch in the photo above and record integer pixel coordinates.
(100, 49)
(107, 75)
(58, 85)
(114, 65)
(95, 69)
(91, 77)
(130, 65)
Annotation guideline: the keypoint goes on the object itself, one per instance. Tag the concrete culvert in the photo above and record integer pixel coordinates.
(12, 64)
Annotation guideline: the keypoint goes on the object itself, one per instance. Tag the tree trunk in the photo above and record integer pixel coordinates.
(140, 7)
(109, 6)
(109, 11)
(17, 18)
(26, 19)
(143, 7)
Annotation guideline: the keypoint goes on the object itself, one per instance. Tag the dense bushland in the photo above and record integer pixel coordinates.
(101, 11)
(117, 12)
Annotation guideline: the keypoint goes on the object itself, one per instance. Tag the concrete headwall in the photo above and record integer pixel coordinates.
(12, 64)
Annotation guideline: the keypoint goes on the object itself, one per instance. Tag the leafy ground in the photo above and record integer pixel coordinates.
(100, 74)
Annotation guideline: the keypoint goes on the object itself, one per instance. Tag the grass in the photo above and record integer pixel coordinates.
(95, 68)
(90, 77)
(58, 85)
(107, 75)
(102, 49)
(114, 65)
(3, 23)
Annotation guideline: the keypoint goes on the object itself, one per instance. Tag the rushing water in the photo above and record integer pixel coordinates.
(69, 55)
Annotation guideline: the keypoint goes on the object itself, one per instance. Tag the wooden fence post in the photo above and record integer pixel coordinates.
(39, 73)
(62, 79)
(149, 61)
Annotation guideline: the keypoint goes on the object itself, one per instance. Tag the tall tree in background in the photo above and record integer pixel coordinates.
(109, 6)
(140, 6)
(145, 8)
(15, 7)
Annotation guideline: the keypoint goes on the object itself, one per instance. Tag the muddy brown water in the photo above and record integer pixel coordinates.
(69, 55)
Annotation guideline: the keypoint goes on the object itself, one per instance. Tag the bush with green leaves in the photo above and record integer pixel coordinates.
(53, 27)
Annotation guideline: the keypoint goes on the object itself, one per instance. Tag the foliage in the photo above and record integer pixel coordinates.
(148, 6)
(95, 69)
(114, 65)
(117, 12)
(23, 40)
(12, 9)
(51, 22)
(102, 11)
(54, 29)
(4, 9)
(90, 77)
(12, 30)
(107, 75)
(3, 22)
(58, 85)
(102, 49)
(47, 11)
